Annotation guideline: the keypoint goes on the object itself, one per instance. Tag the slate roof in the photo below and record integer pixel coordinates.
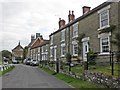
(17, 47)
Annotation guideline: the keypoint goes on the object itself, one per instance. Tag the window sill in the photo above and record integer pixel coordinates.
(62, 40)
(75, 55)
(62, 56)
(104, 53)
(103, 27)
(74, 37)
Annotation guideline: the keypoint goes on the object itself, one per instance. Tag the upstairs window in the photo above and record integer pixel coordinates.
(75, 30)
(63, 35)
(51, 51)
(51, 40)
(104, 18)
(62, 49)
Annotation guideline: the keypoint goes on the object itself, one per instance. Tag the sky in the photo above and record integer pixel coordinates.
(19, 19)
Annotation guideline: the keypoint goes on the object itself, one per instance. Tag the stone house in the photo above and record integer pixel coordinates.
(95, 24)
(17, 52)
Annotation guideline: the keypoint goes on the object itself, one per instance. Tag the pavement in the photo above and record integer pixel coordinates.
(24, 76)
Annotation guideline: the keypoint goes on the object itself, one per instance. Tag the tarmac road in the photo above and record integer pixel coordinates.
(23, 76)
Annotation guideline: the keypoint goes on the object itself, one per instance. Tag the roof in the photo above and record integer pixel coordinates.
(29, 45)
(83, 16)
(17, 47)
(39, 42)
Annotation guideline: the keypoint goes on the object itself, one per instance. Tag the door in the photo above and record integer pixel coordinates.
(85, 50)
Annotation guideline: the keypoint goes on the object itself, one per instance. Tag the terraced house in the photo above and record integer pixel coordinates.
(38, 48)
(95, 25)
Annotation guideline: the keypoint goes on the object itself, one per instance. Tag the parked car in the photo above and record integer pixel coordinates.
(34, 62)
(15, 61)
(28, 60)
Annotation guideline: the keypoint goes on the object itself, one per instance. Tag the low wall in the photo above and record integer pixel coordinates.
(100, 78)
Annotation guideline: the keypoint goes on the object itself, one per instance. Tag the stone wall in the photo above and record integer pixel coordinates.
(100, 78)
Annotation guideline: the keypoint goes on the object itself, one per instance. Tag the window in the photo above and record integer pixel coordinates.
(51, 40)
(62, 49)
(39, 50)
(51, 51)
(104, 18)
(75, 49)
(75, 30)
(46, 48)
(105, 45)
(63, 35)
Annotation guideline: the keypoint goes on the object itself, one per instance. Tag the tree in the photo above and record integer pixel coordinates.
(79, 39)
(116, 42)
(68, 58)
(25, 51)
(6, 54)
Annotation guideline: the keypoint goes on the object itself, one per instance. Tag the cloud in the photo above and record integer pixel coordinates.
(21, 18)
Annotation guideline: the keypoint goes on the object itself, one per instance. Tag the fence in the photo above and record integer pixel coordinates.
(107, 64)
(5, 67)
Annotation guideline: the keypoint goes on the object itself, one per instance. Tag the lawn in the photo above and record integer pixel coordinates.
(107, 70)
(77, 83)
(79, 69)
(5, 71)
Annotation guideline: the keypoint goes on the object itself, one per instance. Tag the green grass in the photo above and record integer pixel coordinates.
(79, 69)
(5, 71)
(72, 81)
(107, 70)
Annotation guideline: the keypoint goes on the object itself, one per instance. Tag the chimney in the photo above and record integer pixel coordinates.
(37, 35)
(61, 23)
(71, 17)
(86, 9)
(41, 37)
(32, 38)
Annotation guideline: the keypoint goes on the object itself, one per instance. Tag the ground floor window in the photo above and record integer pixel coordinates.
(75, 49)
(104, 44)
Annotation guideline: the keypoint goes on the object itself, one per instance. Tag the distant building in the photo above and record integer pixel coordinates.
(38, 48)
(17, 52)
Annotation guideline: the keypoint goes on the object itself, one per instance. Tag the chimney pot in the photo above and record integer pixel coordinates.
(71, 17)
(72, 12)
(86, 9)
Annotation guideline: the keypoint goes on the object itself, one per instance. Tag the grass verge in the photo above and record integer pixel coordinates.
(72, 81)
(7, 70)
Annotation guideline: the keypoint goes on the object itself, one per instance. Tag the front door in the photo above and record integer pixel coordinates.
(85, 50)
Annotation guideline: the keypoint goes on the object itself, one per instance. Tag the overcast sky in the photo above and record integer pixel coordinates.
(21, 18)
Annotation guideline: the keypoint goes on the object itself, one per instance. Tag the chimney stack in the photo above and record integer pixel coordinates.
(71, 17)
(86, 9)
(61, 23)
(41, 37)
(32, 38)
(37, 35)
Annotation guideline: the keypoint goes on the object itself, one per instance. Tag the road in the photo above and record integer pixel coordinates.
(23, 76)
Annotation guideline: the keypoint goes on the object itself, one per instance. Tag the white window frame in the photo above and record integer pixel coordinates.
(74, 54)
(46, 48)
(51, 40)
(75, 30)
(103, 36)
(62, 45)
(51, 51)
(63, 35)
(100, 12)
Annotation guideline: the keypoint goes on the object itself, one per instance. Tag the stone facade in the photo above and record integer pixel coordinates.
(17, 52)
(92, 23)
